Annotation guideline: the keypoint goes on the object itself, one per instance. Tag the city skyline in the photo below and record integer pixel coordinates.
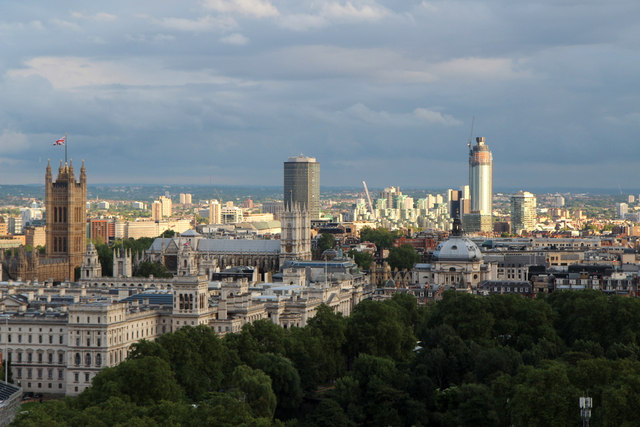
(212, 92)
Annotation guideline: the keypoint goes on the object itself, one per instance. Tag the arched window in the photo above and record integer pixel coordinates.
(98, 360)
(87, 359)
(78, 359)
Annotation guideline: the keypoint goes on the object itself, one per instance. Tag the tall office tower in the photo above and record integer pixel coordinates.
(523, 212)
(302, 185)
(481, 186)
(215, 212)
(66, 201)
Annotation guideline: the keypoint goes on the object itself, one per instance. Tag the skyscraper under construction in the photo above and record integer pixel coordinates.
(481, 187)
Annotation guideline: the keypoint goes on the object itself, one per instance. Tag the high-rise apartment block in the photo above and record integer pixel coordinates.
(622, 209)
(161, 208)
(15, 225)
(215, 212)
(481, 187)
(389, 194)
(523, 212)
(167, 206)
(302, 185)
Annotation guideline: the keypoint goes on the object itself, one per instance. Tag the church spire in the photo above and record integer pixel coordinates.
(48, 177)
(83, 174)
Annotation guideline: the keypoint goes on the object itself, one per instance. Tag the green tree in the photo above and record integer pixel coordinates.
(105, 256)
(328, 413)
(544, 396)
(382, 237)
(148, 268)
(326, 241)
(197, 357)
(363, 259)
(373, 391)
(143, 380)
(255, 388)
(285, 382)
(403, 257)
(378, 329)
(168, 234)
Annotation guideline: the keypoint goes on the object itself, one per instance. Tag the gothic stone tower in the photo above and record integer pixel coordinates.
(295, 235)
(66, 216)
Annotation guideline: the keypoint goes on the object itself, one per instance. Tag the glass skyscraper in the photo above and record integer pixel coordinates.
(302, 184)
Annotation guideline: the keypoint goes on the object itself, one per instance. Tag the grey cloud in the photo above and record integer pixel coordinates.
(175, 92)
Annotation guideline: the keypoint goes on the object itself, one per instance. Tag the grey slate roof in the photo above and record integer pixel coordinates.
(245, 246)
(239, 246)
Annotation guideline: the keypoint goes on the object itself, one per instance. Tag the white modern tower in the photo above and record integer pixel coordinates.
(481, 187)
(523, 212)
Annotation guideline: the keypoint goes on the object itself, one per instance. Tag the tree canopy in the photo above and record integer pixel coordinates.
(403, 257)
(466, 361)
(382, 237)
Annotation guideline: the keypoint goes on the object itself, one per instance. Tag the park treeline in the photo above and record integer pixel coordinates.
(463, 361)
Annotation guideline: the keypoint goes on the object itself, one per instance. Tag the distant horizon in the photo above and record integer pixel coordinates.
(504, 190)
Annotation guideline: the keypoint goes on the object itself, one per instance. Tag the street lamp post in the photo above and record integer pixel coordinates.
(586, 403)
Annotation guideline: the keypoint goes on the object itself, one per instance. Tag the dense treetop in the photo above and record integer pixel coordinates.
(465, 360)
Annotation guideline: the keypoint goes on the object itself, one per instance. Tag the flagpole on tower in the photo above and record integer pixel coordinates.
(66, 141)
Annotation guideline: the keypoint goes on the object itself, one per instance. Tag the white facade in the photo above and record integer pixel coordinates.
(523, 212)
(481, 178)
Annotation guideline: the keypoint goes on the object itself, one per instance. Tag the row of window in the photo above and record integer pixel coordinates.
(39, 373)
(98, 342)
(89, 319)
(29, 339)
(40, 358)
(145, 333)
(87, 359)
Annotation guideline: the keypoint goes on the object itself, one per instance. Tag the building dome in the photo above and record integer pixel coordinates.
(457, 248)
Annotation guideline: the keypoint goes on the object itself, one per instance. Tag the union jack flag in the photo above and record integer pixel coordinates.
(60, 141)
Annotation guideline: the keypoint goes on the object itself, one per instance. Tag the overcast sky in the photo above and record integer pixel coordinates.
(223, 91)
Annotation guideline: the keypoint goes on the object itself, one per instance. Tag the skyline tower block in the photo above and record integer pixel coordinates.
(481, 187)
(302, 185)
(523, 212)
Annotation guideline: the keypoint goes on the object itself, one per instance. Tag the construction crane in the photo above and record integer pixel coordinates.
(473, 120)
(366, 190)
